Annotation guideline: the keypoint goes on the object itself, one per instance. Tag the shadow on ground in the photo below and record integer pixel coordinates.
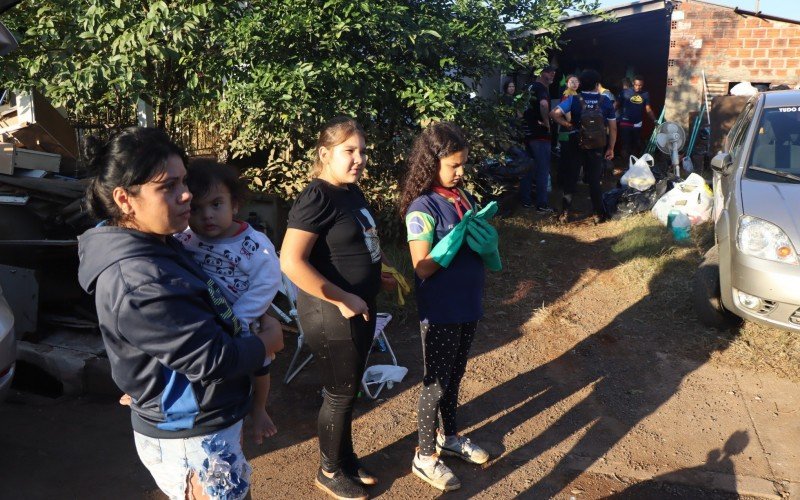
(625, 373)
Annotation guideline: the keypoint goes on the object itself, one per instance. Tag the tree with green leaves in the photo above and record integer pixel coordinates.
(263, 75)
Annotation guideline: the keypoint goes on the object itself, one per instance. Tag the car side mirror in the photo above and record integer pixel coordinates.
(722, 163)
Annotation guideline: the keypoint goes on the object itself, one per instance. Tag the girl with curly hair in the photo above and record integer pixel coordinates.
(448, 298)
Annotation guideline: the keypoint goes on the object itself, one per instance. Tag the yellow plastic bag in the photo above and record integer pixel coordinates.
(403, 287)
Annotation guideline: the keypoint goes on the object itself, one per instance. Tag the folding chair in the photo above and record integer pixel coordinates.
(298, 362)
(290, 292)
(381, 322)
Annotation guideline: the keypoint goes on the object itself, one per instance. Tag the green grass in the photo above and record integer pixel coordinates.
(643, 236)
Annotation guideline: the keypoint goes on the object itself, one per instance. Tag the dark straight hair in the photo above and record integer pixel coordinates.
(203, 174)
(129, 159)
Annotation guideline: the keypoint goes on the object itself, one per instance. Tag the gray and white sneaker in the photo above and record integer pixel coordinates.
(434, 472)
(461, 447)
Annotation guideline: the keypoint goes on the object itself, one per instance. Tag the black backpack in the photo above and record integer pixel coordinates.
(592, 126)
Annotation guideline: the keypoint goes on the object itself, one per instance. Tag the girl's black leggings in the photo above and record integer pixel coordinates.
(340, 349)
(445, 348)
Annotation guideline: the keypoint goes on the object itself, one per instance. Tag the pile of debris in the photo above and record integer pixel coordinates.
(41, 215)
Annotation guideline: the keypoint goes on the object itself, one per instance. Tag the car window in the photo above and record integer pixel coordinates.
(777, 144)
(735, 128)
(739, 130)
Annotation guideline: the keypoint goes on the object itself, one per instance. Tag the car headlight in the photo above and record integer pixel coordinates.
(764, 240)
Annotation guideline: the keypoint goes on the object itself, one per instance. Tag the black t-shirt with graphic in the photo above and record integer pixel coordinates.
(347, 251)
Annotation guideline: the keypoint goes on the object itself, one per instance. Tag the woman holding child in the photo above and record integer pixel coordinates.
(173, 341)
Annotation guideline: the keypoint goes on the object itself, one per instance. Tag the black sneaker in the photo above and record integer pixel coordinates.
(545, 210)
(353, 468)
(599, 218)
(340, 486)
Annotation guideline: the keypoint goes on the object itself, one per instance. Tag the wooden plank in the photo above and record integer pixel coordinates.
(10, 199)
(66, 189)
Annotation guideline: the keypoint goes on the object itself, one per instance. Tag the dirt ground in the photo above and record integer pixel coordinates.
(589, 378)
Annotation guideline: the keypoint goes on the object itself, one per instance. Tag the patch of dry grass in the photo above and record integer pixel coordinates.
(763, 348)
(646, 251)
(648, 254)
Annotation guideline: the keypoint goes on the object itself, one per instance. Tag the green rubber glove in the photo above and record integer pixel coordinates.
(483, 239)
(446, 249)
(488, 211)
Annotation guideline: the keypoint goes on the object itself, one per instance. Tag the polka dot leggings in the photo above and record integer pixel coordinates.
(445, 348)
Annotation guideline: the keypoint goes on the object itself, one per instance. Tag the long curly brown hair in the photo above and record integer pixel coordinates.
(434, 143)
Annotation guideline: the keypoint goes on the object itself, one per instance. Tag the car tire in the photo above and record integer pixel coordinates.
(706, 299)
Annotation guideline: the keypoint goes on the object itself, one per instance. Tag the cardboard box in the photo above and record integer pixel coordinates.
(36, 125)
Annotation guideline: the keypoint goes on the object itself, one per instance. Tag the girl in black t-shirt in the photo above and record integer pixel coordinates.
(332, 253)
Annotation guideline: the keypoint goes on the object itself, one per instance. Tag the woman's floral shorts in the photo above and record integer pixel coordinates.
(216, 459)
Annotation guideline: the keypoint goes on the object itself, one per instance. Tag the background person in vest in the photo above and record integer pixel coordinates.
(579, 153)
(537, 141)
(633, 102)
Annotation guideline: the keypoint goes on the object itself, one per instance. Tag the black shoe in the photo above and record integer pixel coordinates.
(353, 468)
(599, 218)
(341, 486)
(566, 204)
(545, 210)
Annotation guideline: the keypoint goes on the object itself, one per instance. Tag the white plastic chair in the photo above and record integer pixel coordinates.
(382, 320)
(299, 362)
(290, 291)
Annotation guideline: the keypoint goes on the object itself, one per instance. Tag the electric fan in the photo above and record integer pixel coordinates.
(670, 138)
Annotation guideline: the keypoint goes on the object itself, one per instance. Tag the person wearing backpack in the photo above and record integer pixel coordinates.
(585, 116)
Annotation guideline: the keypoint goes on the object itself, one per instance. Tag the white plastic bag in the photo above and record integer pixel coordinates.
(382, 375)
(693, 197)
(639, 175)
(688, 164)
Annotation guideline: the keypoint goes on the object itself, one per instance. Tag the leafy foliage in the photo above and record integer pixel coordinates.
(263, 75)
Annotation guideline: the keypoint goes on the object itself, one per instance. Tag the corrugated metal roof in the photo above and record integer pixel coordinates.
(620, 11)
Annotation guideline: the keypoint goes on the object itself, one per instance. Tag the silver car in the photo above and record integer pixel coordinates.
(753, 270)
(8, 347)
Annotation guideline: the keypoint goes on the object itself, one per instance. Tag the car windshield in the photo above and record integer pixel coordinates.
(775, 156)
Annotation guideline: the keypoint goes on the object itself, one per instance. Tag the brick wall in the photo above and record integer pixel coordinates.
(730, 47)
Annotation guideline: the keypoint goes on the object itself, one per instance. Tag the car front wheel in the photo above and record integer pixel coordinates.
(706, 298)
